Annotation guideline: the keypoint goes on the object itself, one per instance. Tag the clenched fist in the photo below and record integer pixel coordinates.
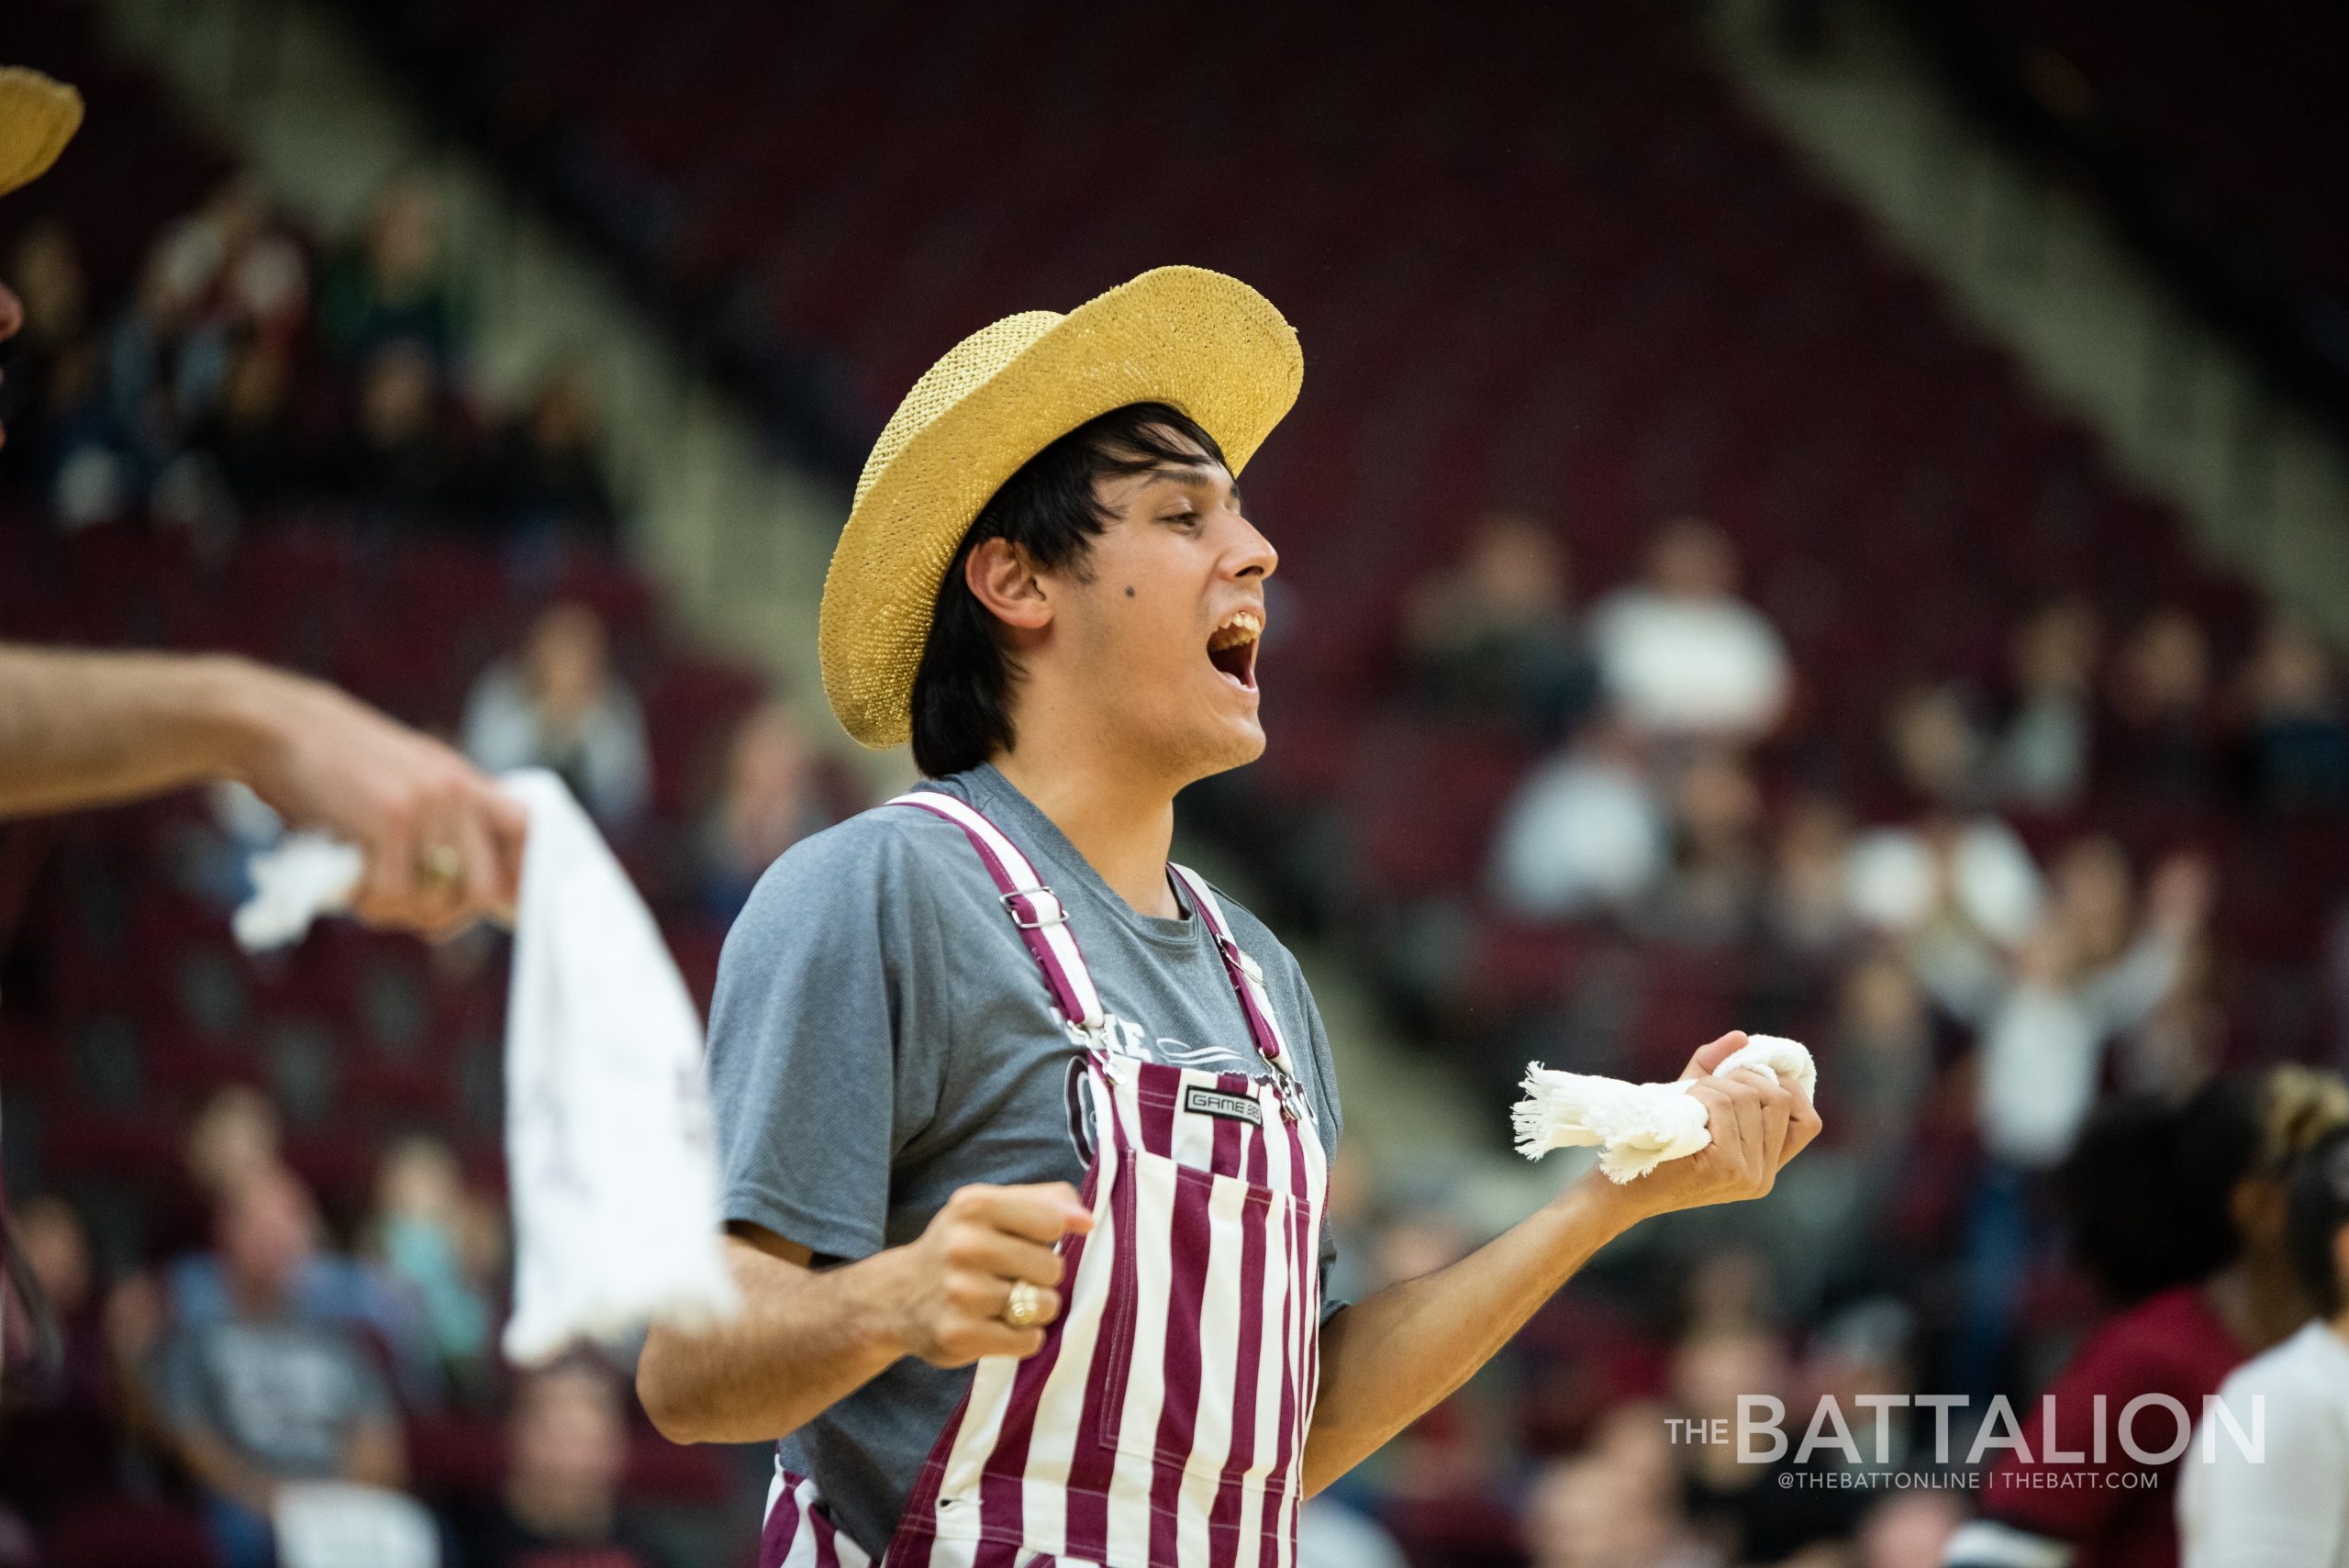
(959, 1273)
(1757, 1125)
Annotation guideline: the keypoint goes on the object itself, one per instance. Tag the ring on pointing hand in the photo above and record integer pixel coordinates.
(442, 863)
(1026, 1306)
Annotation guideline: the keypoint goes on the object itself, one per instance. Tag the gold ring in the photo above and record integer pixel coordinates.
(1027, 1305)
(442, 863)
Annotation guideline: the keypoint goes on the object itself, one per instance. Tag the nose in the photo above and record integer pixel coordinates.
(1253, 554)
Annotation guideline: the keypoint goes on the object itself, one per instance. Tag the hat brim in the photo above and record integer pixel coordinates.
(1197, 340)
(38, 118)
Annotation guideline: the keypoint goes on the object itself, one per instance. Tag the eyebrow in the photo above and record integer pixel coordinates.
(1189, 474)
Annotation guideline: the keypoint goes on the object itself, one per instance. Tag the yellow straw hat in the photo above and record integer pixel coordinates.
(38, 118)
(1204, 343)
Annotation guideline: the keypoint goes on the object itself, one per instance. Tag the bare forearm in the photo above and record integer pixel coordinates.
(1387, 1361)
(805, 1341)
(80, 728)
(211, 1461)
(376, 1457)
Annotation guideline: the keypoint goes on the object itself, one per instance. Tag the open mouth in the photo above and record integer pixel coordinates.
(1232, 648)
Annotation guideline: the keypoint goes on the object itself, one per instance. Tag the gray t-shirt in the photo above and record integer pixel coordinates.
(285, 1395)
(881, 1036)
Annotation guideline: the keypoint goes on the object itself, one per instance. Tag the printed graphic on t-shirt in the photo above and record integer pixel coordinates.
(1127, 1038)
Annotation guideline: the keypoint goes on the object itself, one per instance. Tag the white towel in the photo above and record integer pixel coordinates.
(1637, 1127)
(299, 878)
(608, 1146)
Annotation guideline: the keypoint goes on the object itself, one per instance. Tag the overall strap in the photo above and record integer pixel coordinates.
(1247, 974)
(1035, 909)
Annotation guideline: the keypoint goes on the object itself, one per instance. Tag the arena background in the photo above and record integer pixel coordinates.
(1986, 353)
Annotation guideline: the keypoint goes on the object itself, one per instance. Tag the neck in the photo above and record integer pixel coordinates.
(1121, 819)
(2259, 1300)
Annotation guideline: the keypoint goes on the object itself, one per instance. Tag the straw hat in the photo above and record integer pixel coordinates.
(38, 118)
(1202, 343)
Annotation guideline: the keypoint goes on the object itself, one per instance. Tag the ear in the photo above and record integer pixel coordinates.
(1001, 578)
(2257, 1205)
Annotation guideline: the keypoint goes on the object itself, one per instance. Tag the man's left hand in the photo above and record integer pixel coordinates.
(1757, 1125)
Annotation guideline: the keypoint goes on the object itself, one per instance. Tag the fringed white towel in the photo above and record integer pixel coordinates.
(608, 1146)
(1637, 1127)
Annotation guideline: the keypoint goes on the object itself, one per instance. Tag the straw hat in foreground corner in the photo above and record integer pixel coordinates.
(38, 118)
(1204, 343)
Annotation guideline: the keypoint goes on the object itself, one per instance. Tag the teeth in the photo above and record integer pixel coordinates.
(1243, 627)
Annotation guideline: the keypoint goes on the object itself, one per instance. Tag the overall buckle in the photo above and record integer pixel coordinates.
(1037, 898)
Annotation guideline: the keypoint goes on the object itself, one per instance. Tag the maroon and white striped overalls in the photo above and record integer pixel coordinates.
(1162, 1423)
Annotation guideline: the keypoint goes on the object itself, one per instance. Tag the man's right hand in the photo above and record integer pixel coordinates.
(958, 1274)
(323, 759)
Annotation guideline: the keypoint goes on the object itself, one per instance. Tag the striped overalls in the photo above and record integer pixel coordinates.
(1162, 1423)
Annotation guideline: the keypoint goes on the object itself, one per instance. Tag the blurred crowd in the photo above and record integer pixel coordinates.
(248, 1329)
(246, 370)
(1988, 974)
(263, 1355)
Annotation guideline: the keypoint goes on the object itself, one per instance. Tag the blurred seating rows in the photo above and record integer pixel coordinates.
(1620, 299)
(2228, 104)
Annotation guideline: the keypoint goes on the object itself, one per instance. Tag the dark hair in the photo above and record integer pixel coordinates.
(961, 702)
(2314, 1213)
(2134, 1226)
(2149, 1186)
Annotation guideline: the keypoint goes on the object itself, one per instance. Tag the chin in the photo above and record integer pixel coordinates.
(1235, 747)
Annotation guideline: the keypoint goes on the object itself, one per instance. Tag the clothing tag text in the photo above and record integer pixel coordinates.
(1214, 1102)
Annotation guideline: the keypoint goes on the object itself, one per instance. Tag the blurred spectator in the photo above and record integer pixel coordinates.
(1809, 908)
(394, 285)
(235, 1135)
(1495, 637)
(2279, 1504)
(269, 1393)
(1863, 1359)
(1909, 1530)
(1955, 887)
(1331, 1535)
(233, 1147)
(250, 274)
(1713, 896)
(772, 797)
(1598, 1512)
(1880, 1071)
(45, 271)
(398, 458)
(2037, 1064)
(1680, 654)
(547, 474)
(1738, 1505)
(165, 360)
(2044, 1038)
(2042, 757)
(567, 1446)
(419, 1228)
(1584, 834)
(561, 705)
(1727, 1292)
(58, 1435)
(2163, 735)
(63, 445)
(251, 436)
(2299, 752)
